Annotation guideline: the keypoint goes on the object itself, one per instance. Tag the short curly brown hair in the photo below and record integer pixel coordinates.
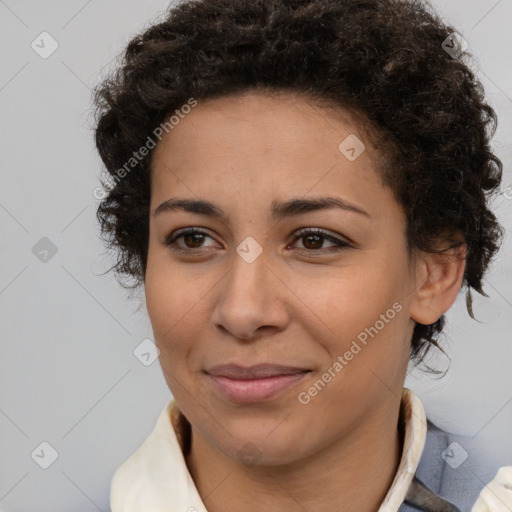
(383, 59)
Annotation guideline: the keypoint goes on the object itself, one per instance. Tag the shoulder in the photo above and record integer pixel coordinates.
(139, 477)
(155, 478)
(454, 467)
(130, 478)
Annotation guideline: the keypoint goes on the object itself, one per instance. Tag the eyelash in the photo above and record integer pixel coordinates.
(341, 245)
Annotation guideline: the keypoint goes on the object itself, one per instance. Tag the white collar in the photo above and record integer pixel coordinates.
(156, 478)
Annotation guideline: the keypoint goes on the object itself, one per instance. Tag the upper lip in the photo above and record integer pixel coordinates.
(259, 371)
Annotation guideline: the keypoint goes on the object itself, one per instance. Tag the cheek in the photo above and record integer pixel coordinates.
(175, 332)
(359, 313)
(167, 313)
(177, 305)
(170, 293)
(351, 296)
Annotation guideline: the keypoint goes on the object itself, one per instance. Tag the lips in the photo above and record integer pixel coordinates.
(259, 371)
(253, 384)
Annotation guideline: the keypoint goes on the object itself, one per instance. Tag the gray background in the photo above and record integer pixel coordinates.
(68, 373)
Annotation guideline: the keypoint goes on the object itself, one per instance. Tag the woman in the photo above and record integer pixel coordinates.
(301, 188)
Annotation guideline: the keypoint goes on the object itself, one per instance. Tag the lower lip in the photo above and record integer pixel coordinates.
(254, 390)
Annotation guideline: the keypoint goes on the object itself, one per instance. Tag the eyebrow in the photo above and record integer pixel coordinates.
(279, 210)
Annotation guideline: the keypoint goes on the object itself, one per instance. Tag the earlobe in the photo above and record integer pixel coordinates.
(438, 280)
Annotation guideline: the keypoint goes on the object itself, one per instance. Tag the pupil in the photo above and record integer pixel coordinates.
(317, 237)
(198, 239)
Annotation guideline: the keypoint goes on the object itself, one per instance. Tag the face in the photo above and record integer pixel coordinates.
(321, 291)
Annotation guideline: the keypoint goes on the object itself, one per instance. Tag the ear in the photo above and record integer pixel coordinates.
(438, 280)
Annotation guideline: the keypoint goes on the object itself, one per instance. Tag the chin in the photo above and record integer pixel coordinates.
(255, 448)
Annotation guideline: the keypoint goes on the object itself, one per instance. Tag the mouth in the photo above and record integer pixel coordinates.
(254, 384)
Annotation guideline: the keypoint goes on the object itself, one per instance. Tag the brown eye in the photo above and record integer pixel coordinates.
(193, 239)
(313, 240)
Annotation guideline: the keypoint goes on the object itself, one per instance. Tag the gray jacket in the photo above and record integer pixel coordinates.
(449, 477)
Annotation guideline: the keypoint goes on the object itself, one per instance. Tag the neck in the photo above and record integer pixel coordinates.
(354, 473)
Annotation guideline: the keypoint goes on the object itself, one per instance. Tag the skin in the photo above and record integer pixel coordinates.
(289, 306)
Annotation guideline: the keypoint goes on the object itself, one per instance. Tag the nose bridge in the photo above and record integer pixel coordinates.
(247, 275)
(248, 299)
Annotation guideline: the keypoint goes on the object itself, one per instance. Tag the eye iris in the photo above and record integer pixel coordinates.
(318, 238)
(195, 237)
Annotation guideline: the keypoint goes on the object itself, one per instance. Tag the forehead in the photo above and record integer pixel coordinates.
(289, 115)
(278, 145)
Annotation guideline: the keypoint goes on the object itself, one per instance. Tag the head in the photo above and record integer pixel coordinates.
(266, 117)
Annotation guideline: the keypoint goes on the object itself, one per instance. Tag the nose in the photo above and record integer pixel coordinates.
(252, 299)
